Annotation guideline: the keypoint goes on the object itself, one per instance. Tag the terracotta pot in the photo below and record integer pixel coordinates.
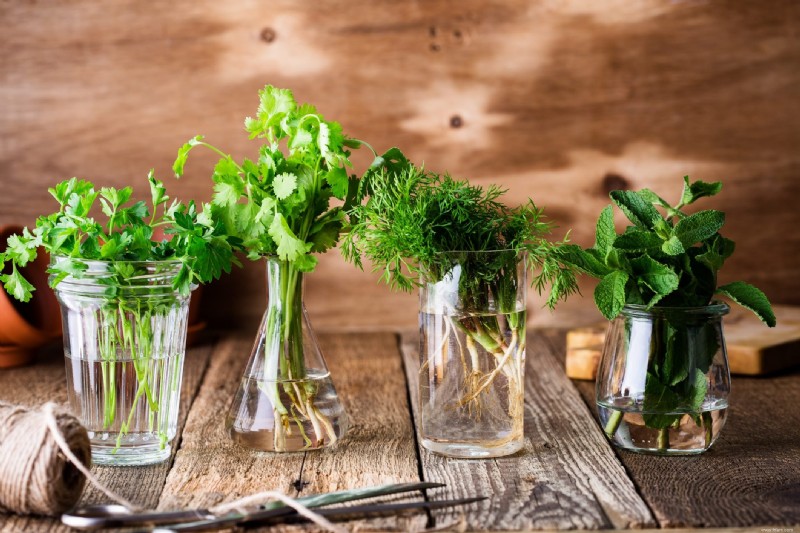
(26, 326)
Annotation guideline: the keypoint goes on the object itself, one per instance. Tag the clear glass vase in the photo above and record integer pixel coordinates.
(124, 345)
(286, 401)
(472, 354)
(663, 381)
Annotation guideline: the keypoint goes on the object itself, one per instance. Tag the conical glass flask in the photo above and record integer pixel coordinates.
(286, 401)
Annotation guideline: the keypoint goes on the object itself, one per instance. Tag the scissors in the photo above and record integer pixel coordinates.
(110, 516)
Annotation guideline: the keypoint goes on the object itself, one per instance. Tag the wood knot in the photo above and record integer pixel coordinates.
(268, 35)
(613, 182)
(456, 121)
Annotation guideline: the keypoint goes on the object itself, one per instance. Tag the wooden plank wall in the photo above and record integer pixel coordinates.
(556, 99)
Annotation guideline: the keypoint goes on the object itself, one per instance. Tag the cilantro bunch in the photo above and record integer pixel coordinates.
(413, 223)
(126, 236)
(669, 260)
(279, 203)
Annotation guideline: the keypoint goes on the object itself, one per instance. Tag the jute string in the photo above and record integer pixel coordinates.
(44, 452)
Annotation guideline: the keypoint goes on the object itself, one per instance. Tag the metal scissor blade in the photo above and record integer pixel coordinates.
(277, 509)
(261, 518)
(380, 509)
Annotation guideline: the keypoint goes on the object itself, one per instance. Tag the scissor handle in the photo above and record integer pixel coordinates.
(105, 516)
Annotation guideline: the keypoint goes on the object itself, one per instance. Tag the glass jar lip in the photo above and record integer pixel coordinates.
(99, 262)
(715, 308)
(478, 252)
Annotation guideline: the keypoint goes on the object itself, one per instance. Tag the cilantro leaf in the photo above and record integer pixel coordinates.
(289, 246)
(284, 185)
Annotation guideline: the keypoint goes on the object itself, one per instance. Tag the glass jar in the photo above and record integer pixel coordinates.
(663, 380)
(472, 354)
(124, 345)
(286, 401)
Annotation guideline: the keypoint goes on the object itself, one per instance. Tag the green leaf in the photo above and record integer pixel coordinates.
(698, 189)
(227, 189)
(20, 249)
(638, 211)
(673, 246)
(339, 182)
(699, 227)
(605, 234)
(582, 259)
(289, 247)
(635, 240)
(284, 185)
(750, 298)
(660, 278)
(183, 153)
(17, 286)
(609, 295)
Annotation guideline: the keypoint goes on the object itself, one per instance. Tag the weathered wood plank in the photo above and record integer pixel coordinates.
(750, 477)
(46, 381)
(565, 478)
(559, 100)
(378, 448)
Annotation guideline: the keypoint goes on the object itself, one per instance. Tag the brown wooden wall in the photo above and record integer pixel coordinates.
(555, 99)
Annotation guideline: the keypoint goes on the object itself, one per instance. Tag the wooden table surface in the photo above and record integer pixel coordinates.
(567, 476)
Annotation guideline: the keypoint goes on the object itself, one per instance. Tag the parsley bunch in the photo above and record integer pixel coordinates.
(201, 246)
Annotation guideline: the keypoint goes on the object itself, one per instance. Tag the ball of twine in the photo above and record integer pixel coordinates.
(35, 475)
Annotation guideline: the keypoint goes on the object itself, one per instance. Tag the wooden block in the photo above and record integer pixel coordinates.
(753, 348)
(584, 348)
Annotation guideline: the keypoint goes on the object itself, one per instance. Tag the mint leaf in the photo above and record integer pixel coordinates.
(699, 227)
(658, 277)
(605, 233)
(635, 240)
(289, 246)
(609, 295)
(284, 185)
(698, 189)
(673, 246)
(750, 298)
(638, 211)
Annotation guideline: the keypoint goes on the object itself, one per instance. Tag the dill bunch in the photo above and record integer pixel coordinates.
(414, 223)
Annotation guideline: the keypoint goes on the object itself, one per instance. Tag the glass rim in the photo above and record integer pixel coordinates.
(715, 308)
(495, 251)
(137, 262)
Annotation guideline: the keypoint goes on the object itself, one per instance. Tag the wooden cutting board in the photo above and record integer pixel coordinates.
(753, 348)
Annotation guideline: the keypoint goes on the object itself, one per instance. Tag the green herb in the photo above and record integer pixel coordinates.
(279, 204)
(75, 239)
(669, 261)
(416, 226)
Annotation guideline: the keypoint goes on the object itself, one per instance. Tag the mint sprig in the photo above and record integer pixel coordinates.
(668, 260)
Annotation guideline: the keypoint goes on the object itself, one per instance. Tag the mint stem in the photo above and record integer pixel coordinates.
(613, 424)
(663, 439)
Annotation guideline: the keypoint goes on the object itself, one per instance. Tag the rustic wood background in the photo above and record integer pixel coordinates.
(555, 99)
